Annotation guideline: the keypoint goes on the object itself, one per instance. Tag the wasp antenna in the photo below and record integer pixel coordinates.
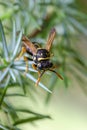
(57, 74)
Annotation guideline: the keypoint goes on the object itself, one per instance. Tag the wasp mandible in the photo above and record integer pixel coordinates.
(40, 56)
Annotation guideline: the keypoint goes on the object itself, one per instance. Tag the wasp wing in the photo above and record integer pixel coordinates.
(50, 39)
(29, 45)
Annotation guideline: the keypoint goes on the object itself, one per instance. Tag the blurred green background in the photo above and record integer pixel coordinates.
(24, 106)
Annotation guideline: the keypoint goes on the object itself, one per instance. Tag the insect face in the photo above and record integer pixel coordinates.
(42, 59)
(44, 65)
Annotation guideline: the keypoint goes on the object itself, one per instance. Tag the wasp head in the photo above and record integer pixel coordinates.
(42, 59)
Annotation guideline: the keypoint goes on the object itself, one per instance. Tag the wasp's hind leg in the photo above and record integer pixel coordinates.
(26, 61)
(23, 50)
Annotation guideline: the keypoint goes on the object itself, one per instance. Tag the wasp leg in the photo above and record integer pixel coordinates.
(39, 74)
(39, 77)
(35, 68)
(26, 61)
(23, 50)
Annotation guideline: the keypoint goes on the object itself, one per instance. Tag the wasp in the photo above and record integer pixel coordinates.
(40, 56)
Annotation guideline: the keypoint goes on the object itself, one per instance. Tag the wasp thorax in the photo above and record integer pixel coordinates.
(42, 54)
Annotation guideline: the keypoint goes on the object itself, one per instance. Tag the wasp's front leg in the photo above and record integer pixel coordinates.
(35, 68)
(39, 74)
(39, 77)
